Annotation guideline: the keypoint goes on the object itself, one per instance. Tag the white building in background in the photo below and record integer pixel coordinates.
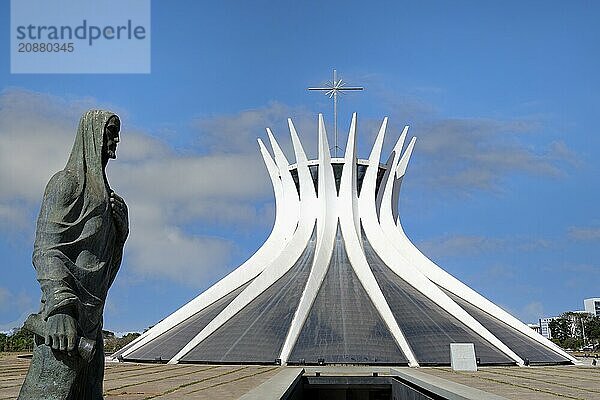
(592, 306)
(339, 282)
(545, 327)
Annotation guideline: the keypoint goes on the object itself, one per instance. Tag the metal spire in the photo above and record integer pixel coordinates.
(331, 89)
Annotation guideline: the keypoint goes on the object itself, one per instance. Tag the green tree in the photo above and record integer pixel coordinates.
(560, 329)
(23, 340)
(3, 341)
(592, 328)
(574, 330)
(127, 338)
(113, 343)
(592, 331)
(19, 340)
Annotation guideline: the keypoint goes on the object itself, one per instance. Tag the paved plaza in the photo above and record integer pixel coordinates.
(129, 381)
(539, 383)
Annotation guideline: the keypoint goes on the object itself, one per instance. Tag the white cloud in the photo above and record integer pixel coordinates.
(576, 277)
(465, 155)
(170, 253)
(13, 217)
(165, 190)
(485, 278)
(470, 245)
(221, 178)
(584, 233)
(32, 146)
(16, 302)
(532, 311)
(192, 178)
(455, 245)
(36, 134)
(237, 133)
(469, 154)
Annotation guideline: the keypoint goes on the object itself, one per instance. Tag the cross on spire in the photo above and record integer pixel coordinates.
(331, 89)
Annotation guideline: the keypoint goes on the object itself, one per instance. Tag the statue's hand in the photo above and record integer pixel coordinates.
(121, 216)
(61, 331)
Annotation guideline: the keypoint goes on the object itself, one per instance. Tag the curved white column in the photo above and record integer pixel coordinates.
(393, 229)
(326, 230)
(304, 210)
(307, 189)
(291, 202)
(241, 275)
(350, 226)
(394, 259)
(396, 183)
(277, 267)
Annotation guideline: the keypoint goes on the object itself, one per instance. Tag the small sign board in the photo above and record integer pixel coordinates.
(462, 357)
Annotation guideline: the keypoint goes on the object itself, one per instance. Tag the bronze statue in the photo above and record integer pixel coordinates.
(81, 230)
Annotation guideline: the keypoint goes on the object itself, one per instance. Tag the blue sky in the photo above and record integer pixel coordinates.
(501, 191)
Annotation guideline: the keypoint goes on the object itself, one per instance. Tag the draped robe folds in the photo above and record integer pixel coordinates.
(77, 254)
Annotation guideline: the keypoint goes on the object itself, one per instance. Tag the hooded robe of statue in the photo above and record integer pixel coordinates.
(77, 254)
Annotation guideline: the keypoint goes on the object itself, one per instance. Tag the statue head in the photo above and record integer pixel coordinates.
(110, 139)
(95, 144)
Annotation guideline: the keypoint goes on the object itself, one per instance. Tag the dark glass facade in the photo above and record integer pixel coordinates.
(343, 325)
(165, 346)
(256, 334)
(361, 170)
(428, 328)
(523, 346)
